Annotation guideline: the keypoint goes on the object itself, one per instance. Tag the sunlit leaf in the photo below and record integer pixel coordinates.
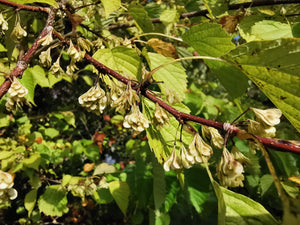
(141, 17)
(53, 202)
(161, 140)
(49, 2)
(120, 192)
(104, 168)
(122, 59)
(110, 6)
(240, 209)
(33, 161)
(172, 75)
(30, 200)
(209, 39)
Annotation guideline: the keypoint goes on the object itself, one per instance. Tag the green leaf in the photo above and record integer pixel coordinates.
(122, 59)
(228, 75)
(30, 200)
(51, 132)
(265, 30)
(54, 201)
(103, 196)
(158, 218)
(69, 117)
(4, 120)
(198, 189)
(159, 183)
(169, 16)
(209, 39)
(141, 17)
(5, 154)
(31, 77)
(2, 48)
(281, 88)
(104, 168)
(33, 161)
(49, 2)
(172, 75)
(110, 6)
(218, 7)
(161, 140)
(197, 198)
(266, 182)
(240, 209)
(120, 192)
(281, 55)
(274, 67)
(296, 30)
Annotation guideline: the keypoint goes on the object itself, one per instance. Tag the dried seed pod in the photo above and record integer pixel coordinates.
(16, 97)
(172, 162)
(269, 117)
(136, 120)
(127, 99)
(187, 160)
(203, 150)
(160, 116)
(94, 100)
(213, 134)
(230, 171)
(45, 58)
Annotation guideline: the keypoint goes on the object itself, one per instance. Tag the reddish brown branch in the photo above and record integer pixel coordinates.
(24, 7)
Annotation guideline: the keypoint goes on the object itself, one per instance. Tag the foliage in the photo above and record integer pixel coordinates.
(64, 146)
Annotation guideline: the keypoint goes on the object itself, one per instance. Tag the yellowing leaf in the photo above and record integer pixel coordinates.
(104, 168)
(163, 48)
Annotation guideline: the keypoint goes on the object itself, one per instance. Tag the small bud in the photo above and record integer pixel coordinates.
(136, 120)
(269, 117)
